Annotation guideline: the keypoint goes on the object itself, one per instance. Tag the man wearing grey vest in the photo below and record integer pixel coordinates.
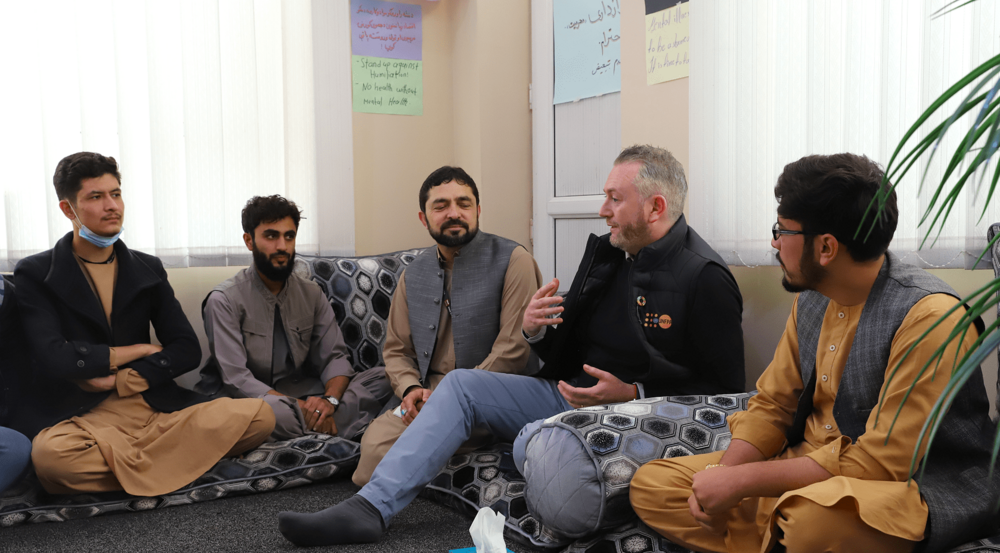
(273, 335)
(647, 225)
(862, 331)
(458, 305)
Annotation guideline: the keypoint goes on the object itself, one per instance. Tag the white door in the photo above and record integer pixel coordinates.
(573, 148)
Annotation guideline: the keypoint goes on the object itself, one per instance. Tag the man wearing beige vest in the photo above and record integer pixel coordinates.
(487, 279)
(273, 335)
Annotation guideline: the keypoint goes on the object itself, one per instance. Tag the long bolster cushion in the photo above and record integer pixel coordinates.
(577, 465)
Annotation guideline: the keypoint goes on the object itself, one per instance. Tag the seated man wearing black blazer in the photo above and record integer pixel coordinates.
(102, 404)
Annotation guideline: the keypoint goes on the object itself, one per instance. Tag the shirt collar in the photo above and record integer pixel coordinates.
(262, 288)
(441, 260)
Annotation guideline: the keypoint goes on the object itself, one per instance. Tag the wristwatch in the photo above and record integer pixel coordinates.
(333, 401)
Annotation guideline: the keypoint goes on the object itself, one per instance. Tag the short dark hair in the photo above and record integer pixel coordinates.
(443, 175)
(832, 194)
(73, 168)
(267, 209)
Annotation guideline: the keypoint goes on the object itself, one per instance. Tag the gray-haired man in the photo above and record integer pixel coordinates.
(651, 254)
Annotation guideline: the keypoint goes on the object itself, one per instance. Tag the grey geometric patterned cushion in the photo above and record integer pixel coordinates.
(633, 537)
(273, 466)
(487, 477)
(636, 537)
(694, 428)
(578, 464)
(360, 290)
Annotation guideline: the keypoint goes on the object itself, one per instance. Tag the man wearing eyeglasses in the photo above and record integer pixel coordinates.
(835, 479)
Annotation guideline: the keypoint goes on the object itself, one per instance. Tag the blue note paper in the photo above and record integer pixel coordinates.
(587, 35)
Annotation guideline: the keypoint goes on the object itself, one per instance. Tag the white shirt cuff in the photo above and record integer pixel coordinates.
(536, 338)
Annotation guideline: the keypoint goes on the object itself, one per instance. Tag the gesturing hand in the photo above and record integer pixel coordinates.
(98, 384)
(609, 389)
(543, 304)
(413, 403)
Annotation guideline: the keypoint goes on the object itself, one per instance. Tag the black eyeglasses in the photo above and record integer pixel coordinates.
(777, 232)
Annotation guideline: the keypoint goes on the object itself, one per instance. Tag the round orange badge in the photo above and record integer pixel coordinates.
(665, 321)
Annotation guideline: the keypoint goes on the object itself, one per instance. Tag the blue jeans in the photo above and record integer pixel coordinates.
(15, 454)
(465, 399)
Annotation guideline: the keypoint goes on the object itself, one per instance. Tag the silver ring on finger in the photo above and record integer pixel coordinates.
(318, 412)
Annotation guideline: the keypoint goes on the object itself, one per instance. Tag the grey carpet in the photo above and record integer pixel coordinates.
(243, 524)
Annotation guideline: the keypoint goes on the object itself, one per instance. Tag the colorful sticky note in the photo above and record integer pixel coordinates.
(386, 68)
(383, 85)
(587, 51)
(667, 40)
(386, 30)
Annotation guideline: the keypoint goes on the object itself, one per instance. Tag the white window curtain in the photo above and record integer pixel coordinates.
(204, 103)
(774, 80)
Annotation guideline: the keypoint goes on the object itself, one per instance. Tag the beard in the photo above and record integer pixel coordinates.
(633, 235)
(449, 241)
(264, 265)
(812, 272)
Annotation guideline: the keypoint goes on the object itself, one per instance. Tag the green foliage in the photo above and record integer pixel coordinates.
(980, 93)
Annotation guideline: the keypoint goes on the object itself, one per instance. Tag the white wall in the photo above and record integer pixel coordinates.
(191, 285)
(385, 203)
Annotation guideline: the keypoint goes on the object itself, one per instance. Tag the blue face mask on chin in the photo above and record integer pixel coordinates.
(95, 239)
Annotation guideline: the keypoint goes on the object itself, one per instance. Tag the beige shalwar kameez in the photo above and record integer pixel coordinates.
(124, 444)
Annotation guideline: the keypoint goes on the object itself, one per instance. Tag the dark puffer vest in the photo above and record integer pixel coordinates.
(665, 275)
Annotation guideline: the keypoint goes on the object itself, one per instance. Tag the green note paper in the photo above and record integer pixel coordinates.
(383, 85)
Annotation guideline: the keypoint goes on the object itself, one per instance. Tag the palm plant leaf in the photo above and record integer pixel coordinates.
(961, 375)
(950, 7)
(986, 299)
(990, 68)
(979, 92)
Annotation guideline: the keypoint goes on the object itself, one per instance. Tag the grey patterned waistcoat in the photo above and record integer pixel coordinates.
(476, 299)
(956, 487)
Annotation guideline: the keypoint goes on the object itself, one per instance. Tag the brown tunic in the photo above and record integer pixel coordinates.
(869, 483)
(141, 450)
(509, 354)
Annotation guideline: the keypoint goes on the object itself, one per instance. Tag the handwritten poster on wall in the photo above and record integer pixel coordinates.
(587, 48)
(386, 67)
(666, 40)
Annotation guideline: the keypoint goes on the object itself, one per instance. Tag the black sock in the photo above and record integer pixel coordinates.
(353, 521)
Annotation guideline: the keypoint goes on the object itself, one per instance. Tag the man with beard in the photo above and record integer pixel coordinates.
(816, 462)
(480, 280)
(273, 335)
(656, 313)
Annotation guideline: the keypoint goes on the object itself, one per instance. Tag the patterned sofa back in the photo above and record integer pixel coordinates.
(360, 290)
